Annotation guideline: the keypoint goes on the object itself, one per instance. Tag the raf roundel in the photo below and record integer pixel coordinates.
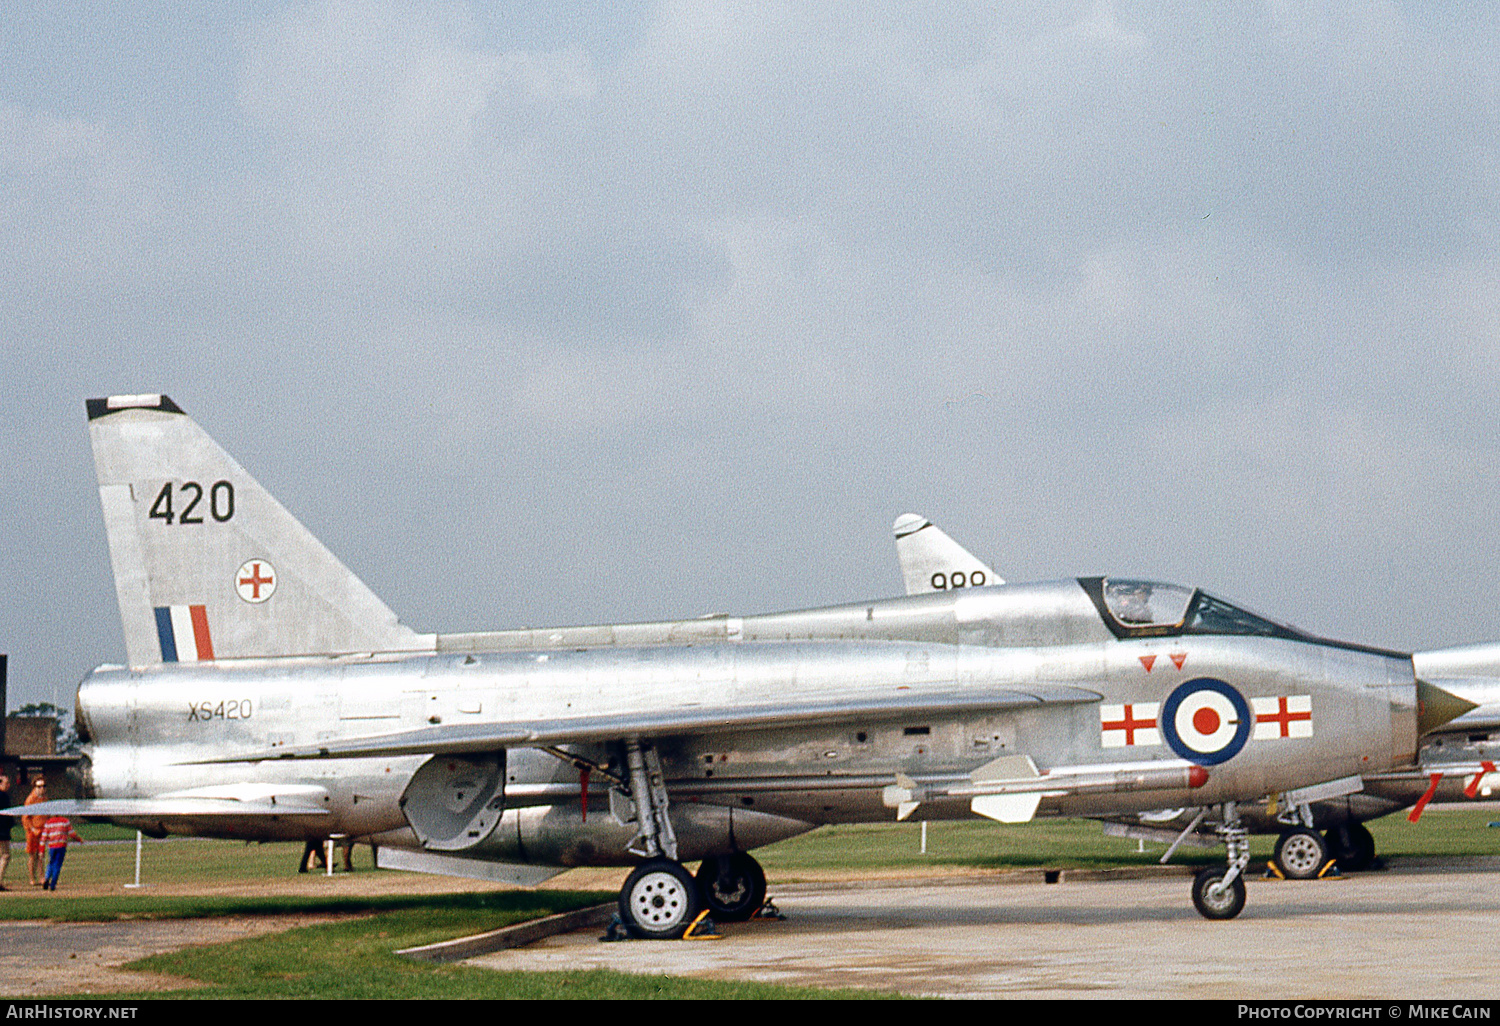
(1206, 721)
(255, 581)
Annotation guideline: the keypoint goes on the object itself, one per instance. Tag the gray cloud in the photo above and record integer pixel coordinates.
(645, 311)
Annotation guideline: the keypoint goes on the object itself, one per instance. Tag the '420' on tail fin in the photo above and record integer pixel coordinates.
(207, 564)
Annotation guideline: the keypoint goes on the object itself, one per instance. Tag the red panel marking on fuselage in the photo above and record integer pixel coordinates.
(1148, 662)
(1205, 720)
(1283, 717)
(1129, 724)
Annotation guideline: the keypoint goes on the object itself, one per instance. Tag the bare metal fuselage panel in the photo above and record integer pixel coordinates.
(805, 729)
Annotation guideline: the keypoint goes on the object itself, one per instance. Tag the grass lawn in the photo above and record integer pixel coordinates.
(353, 960)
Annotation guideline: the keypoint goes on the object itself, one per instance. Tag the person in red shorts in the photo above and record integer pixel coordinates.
(33, 825)
(55, 837)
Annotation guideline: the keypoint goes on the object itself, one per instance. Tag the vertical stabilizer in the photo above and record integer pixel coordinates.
(207, 564)
(932, 561)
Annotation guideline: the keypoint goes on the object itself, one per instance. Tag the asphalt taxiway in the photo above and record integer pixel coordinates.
(1423, 931)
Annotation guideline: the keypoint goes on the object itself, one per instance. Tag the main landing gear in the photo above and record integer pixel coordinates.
(733, 887)
(1353, 846)
(661, 899)
(1301, 854)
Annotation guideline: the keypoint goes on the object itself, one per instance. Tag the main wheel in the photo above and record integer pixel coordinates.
(1227, 903)
(733, 887)
(659, 900)
(1300, 854)
(1353, 846)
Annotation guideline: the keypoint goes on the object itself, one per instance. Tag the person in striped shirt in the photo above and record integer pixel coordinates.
(55, 836)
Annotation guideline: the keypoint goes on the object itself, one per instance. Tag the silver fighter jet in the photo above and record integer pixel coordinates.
(270, 695)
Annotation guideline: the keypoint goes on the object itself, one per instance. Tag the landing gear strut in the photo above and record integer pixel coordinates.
(660, 898)
(1220, 893)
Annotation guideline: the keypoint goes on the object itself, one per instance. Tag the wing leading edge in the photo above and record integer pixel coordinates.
(132, 808)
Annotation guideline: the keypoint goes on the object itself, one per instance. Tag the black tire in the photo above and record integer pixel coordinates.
(1226, 905)
(732, 888)
(1301, 854)
(659, 900)
(1353, 846)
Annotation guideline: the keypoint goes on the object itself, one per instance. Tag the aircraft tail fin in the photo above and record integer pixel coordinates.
(932, 561)
(207, 564)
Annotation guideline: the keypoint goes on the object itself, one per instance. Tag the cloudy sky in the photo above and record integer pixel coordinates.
(590, 311)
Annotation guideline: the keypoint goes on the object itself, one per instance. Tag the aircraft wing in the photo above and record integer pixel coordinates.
(893, 703)
(154, 808)
(932, 561)
(236, 799)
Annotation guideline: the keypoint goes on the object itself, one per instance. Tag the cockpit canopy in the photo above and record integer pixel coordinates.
(1136, 608)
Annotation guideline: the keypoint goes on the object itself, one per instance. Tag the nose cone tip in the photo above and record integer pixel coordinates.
(1436, 707)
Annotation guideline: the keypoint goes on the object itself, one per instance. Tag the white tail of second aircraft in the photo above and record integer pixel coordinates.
(207, 564)
(932, 561)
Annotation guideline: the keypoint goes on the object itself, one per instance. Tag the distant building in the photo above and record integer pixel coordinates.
(30, 735)
(29, 747)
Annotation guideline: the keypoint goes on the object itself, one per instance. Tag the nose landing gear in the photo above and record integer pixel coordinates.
(1220, 893)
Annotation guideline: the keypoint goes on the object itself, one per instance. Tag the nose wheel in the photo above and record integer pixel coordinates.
(659, 900)
(1217, 898)
(1220, 893)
